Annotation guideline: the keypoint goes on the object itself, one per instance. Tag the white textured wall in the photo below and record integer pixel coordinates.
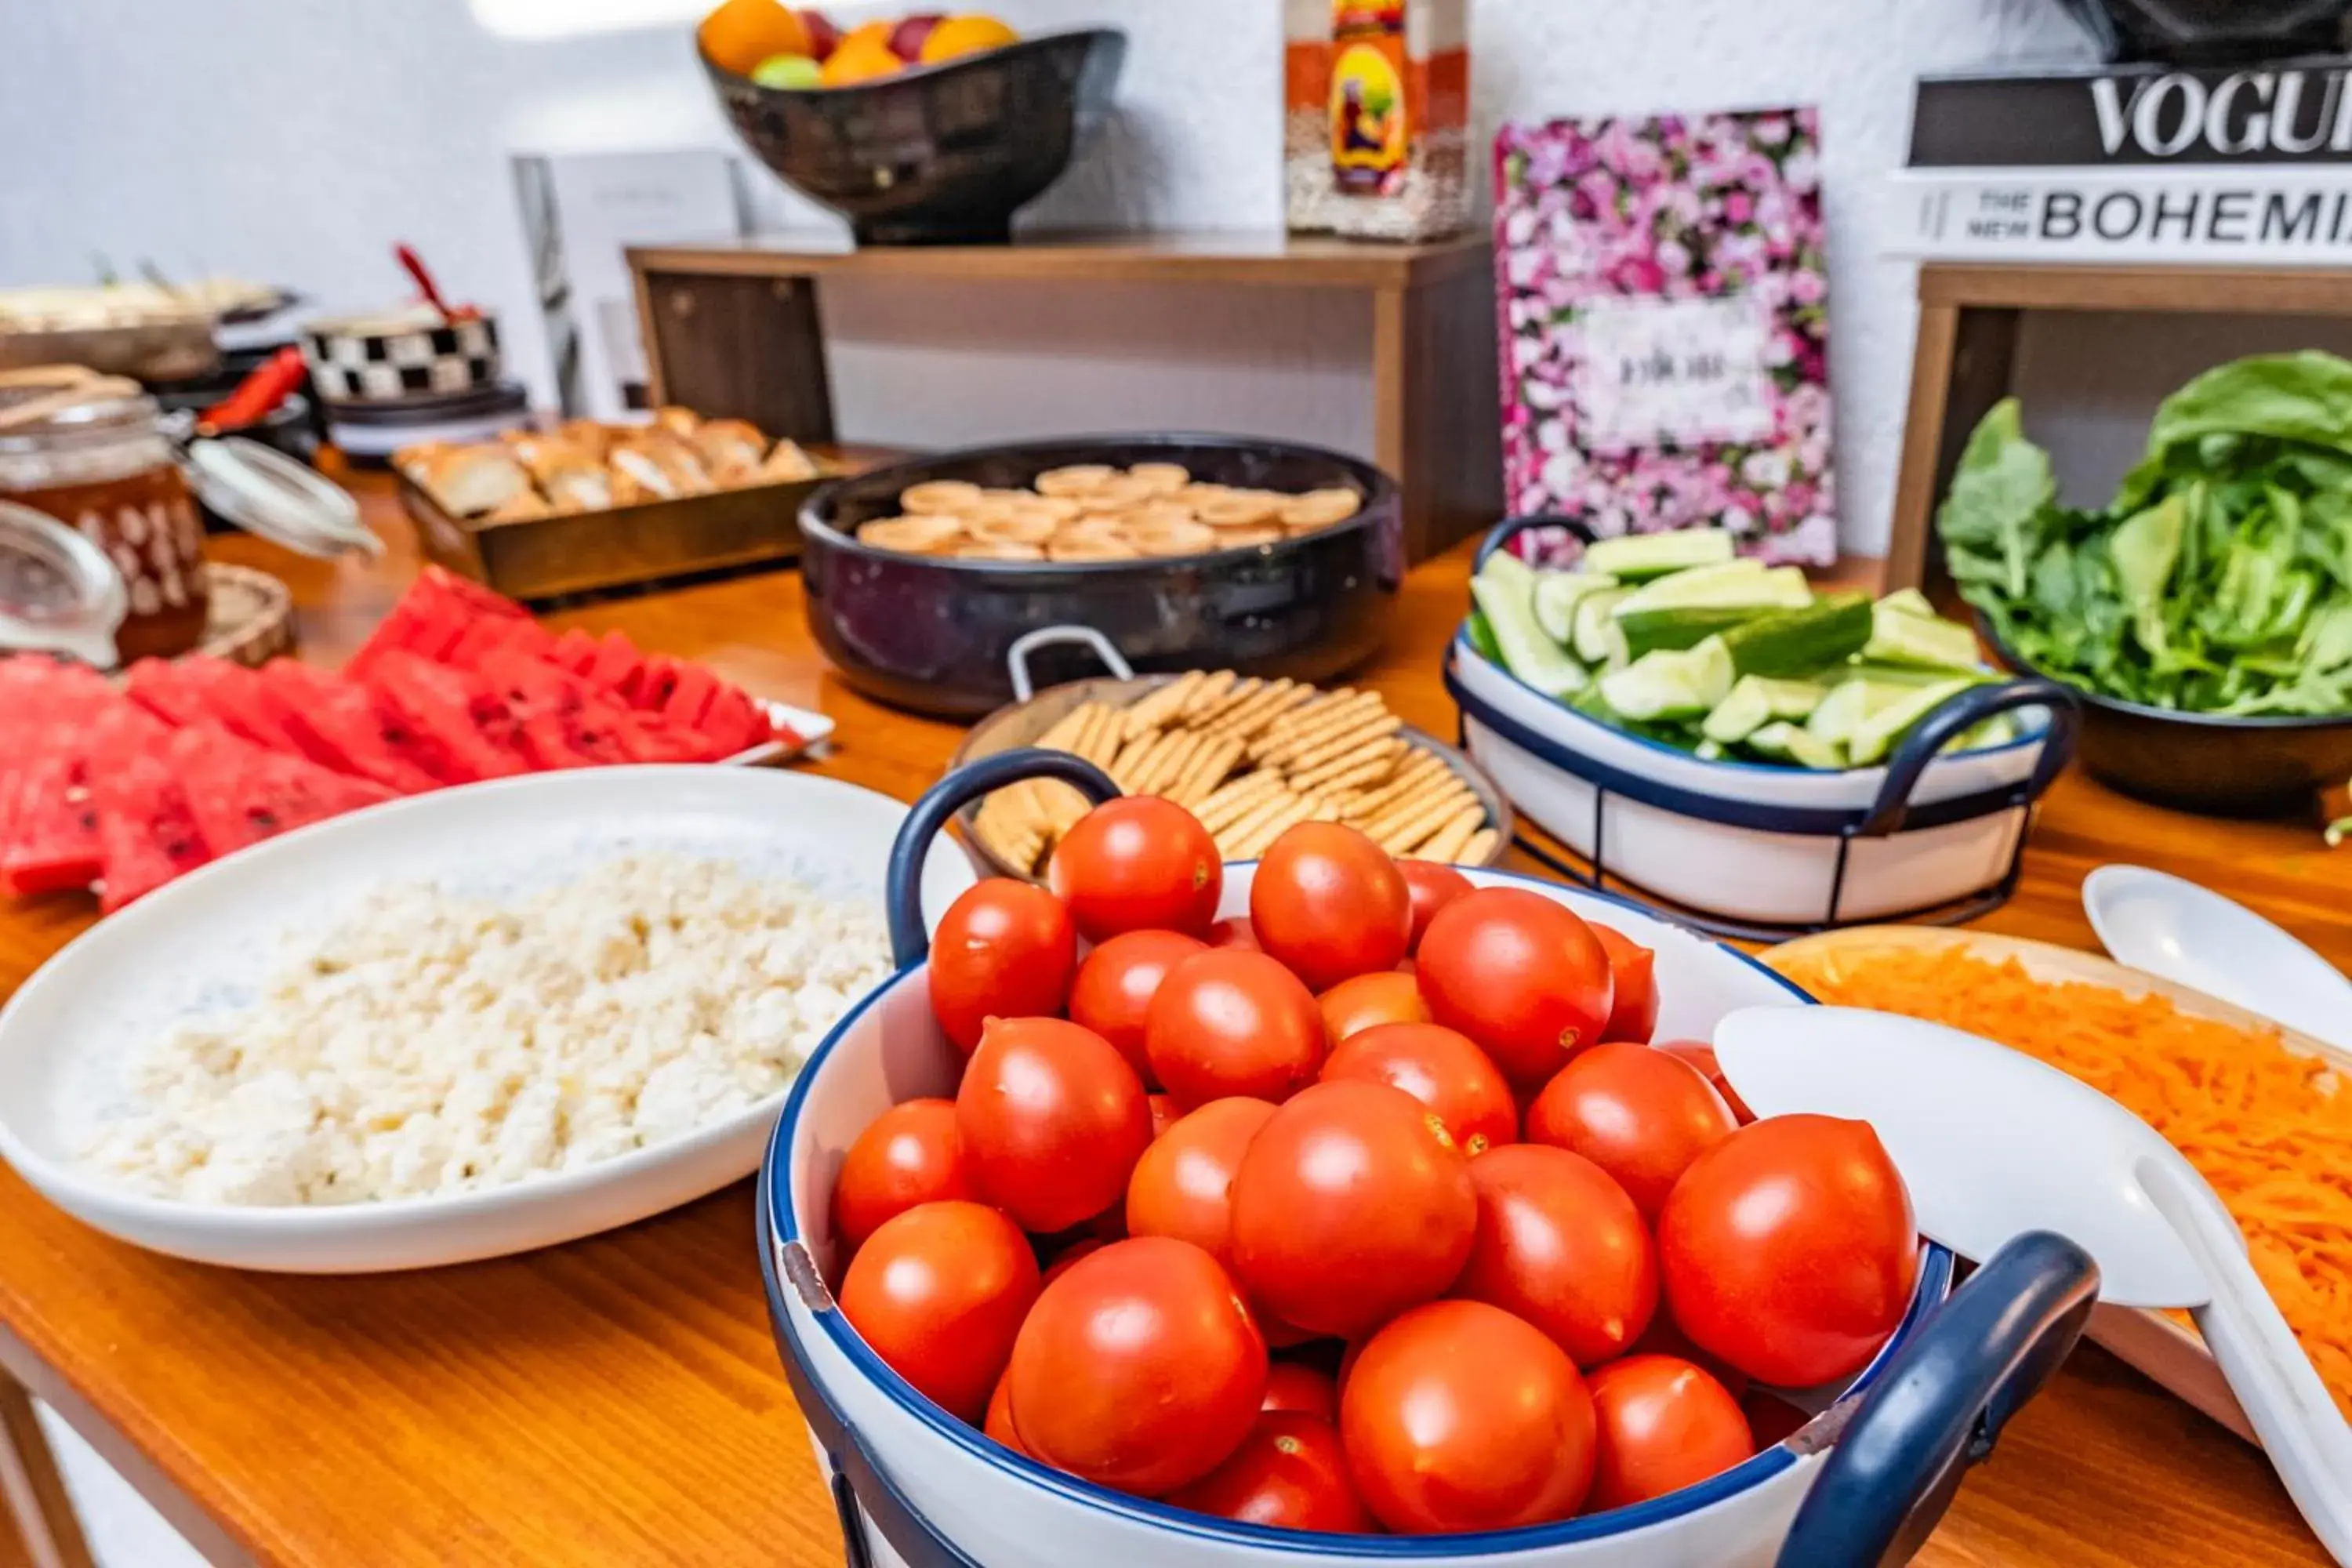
(294, 139)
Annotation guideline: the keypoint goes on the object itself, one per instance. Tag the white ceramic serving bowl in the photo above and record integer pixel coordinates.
(1549, 759)
(1005, 1511)
(206, 942)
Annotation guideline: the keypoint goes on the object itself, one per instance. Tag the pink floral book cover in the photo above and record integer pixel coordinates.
(1666, 326)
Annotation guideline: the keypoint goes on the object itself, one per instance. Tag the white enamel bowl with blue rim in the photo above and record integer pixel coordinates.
(917, 1488)
(1771, 846)
(209, 941)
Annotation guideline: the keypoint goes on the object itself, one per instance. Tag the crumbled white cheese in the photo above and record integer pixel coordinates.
(432, 1044)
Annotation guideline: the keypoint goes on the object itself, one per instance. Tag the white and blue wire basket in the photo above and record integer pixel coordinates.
(1751, 850)
(1859, 1485)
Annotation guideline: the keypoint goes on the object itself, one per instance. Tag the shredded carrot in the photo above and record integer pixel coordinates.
(2268, 1126)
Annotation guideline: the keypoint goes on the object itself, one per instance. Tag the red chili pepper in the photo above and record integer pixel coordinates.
(270, 385)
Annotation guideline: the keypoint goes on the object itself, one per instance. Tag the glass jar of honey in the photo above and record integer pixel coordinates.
(90, 451)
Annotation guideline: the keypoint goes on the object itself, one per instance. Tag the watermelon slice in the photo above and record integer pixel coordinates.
(692, 694)
(231, 697)
(734, 722)
(429, 618)
(160, 686)
(146, 833)
(575, 650)
(587, 727)
(618, 666)
(239, 795)
(656, 683)
(478, 737)
(52, 844)
(338, 725)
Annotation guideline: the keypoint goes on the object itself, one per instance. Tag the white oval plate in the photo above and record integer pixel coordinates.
(206, 942)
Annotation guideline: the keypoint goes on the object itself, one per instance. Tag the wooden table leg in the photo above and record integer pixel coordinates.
(45, 1534)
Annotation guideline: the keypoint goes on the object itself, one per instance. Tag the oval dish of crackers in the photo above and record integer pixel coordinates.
(1249, 757)
(1094, 512)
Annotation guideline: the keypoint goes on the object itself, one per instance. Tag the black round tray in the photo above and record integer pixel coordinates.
(932, 632)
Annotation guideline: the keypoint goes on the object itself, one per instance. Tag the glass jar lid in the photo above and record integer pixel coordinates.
(59, 593)
(266, 492)
(45, 403)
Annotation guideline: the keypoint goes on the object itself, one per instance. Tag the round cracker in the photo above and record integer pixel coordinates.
(1256, 534)
(1076, 479)
(1165, 478)
(1175, 539)
(1119, 493)
(912, 535)
(1068, 549)
(1013, 525)
(1321, 509)
(939, 498)
(1158, 514)
(997, 549)
(1238, 508)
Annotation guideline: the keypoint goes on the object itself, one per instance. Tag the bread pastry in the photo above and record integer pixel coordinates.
(788, 464)
(729, 448)
(526, 506)
(676, 421)
(473, 481)
(667, 469)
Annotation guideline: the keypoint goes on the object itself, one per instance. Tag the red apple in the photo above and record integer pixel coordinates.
(907, 37)
(822, 35)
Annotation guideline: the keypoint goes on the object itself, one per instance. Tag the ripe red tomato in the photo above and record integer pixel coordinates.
(939, 1293)
(1351, 1204)
(1560, 1246)
(1663, 1425)
(1138, 863)
(1140, 1369)
(1085, 1247)
(1634, 980)
(910, 1154)
(1330, 904)
(1164, 1115)
(1183, 1186)
(1228, 1022)
(1117, 981)
(1302, 1390)
(1234, 932)
(1639, 1114)
(1666, 1337)
(1431, 886)
(1459, 1416)
(999, 1423)
(1701, 1055)
(1789, 1249)
(1004, 950)
(1519, 975)
(1369, 1000)
(1440, 1068)
(1289, 1474)
(1770, 1418)
(1053, 1120)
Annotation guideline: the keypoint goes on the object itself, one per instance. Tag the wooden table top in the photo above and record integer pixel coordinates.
(617, 1401)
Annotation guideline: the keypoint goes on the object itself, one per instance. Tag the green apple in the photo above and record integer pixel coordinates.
(788, 71)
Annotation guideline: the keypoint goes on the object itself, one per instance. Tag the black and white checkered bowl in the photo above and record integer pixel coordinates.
(394, 357)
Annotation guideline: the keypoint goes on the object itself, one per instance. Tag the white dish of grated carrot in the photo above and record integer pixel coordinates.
(2264, 1114)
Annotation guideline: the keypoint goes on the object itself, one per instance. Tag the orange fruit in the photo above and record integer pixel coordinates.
(970, 34)
(860, 58)
(741, 32)
(868, 33)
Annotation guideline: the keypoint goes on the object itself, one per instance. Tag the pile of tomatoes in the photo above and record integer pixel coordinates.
(1374, 1210)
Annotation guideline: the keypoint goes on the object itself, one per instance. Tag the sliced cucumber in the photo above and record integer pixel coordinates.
(1786, 743)
(1756, 701)
(1733, 585)
(1671, 684)
(1829, 631)
(1904, 674)
(1909, 601)
(1997, 730)
(1557, 596)
(1851, 702)
(1879, 730)
(1638, 557)
(1597, 636)
(1708, 751)
(1647, 631)
(1506, 598)
(1899, 636)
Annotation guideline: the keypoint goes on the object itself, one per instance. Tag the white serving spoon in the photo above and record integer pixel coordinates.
(1993, 1143)
(2158, 923)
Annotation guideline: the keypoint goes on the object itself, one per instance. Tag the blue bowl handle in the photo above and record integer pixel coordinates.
(1503, 533)
(903, 883)
(1964, 712)
(1941, 1403)
(855, 1480)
